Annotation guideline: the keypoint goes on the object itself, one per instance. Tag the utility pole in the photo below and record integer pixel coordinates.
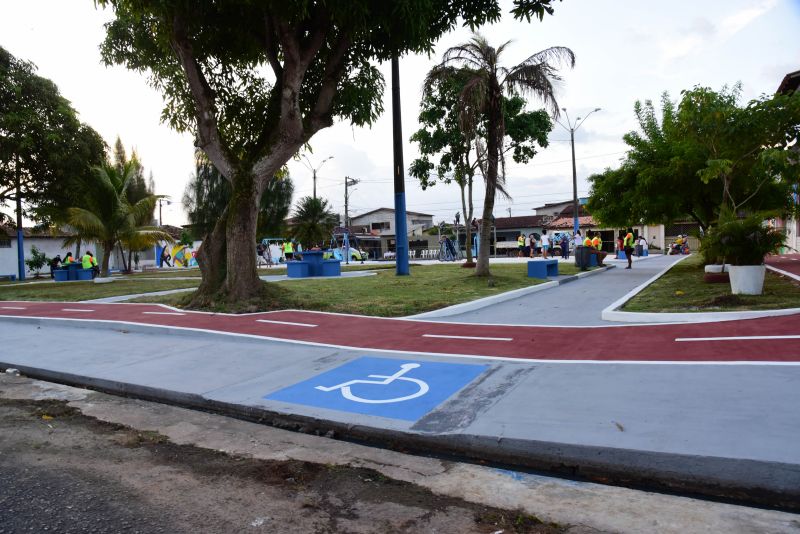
(348, 182)
(160, 202)
(400, 227)
(509, 211)
(572, 127)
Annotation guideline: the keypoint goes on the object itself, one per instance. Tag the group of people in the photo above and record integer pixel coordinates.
(529, 246)
(87, 261)
(271, 254)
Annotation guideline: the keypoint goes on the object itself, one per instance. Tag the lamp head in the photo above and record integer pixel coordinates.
(597, 109)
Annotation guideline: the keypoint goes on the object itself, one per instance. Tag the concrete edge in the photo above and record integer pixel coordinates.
(784, 273)
(612, 313)
(772, 484)
(479, 304)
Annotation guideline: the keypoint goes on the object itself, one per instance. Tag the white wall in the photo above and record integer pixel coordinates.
(49, 245)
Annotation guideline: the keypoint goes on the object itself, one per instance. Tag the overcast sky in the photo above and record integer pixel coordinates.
(626, 50)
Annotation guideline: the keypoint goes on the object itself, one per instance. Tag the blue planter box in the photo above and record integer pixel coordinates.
(593, 260)
(84, 274)
(542, 268)
(61, 275)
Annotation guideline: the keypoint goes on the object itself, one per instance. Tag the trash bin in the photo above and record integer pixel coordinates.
(639, 250)
(582, 257)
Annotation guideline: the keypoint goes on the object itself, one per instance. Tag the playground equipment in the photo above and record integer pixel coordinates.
(272, 251)
(341, 249)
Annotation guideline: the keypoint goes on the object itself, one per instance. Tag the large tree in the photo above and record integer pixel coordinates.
(481, 104)
(44, 148)
(704, 156)
(459, 144)
(209, 58)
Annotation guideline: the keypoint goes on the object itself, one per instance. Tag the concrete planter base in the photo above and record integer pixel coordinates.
(747, 279)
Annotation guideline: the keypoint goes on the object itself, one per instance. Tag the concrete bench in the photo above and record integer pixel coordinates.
(542, 268)
(297, 269)
(9, 277)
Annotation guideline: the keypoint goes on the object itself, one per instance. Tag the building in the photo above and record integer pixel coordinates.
(380, 223)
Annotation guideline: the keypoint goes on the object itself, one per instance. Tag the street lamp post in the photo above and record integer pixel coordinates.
(572, 127)
(314, 170)
(160, 218)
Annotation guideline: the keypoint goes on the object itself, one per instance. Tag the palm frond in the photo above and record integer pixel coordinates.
(87, 223)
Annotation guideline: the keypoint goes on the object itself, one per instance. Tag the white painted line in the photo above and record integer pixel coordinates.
(470, 337)
(735, 338)
(76, 310)
(163, 313)
(12, 308)
(286, 323)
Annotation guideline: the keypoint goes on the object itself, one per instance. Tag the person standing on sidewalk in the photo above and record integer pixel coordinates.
(521, 244)
(565, 246)
(545, 244)
(627, 243)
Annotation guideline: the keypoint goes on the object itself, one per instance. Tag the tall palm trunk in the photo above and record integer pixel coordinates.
(493, 152)
(108, 248)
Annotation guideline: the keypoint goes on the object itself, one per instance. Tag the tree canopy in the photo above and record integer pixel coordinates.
(708, 153)
(256, 80)
(42, 142)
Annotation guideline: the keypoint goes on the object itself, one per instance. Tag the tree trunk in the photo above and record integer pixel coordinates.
(122, 255)
(242, 281)
(467, 217)
(492, 156)
(108, 248)
(211, 259)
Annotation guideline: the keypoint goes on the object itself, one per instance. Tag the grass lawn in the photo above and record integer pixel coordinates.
(384, 294)
(195, 273)
(75, 291)
(682, 289)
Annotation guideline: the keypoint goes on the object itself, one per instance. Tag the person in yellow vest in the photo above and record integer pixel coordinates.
(521, 244)
(597, 248)
(288, 250)
(627, 243)
(88, 262)
(67, 259)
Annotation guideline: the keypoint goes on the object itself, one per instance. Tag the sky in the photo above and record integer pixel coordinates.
(626, 50)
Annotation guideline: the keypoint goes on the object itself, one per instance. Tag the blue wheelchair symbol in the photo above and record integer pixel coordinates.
(385, 387)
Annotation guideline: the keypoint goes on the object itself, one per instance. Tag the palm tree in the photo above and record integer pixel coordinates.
(106, 216)
(481, 102)
(314, 221)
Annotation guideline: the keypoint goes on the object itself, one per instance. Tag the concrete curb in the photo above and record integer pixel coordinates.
(503, 297)
(783, 273)
(749, 481)
(612, 312)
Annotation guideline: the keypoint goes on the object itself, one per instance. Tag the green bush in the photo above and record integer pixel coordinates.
(37, 260)
(741, 242)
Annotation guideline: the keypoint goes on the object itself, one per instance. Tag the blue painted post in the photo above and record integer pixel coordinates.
(400, 227)
(20, 254)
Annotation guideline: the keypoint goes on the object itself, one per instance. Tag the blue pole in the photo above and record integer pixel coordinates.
(20, 254)
(400, 228)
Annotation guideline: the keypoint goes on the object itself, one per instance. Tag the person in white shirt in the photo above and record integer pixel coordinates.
(545, 244)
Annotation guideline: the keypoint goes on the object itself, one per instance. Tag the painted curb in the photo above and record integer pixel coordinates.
(612, 313)
(479, 304)
(767, 483)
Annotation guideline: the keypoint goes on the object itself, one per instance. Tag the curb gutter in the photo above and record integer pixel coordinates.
(748, 481)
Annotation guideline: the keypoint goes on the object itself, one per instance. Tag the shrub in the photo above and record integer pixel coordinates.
(37, 260)
(742, 241)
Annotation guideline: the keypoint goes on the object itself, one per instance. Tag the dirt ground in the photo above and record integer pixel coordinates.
(61, 471)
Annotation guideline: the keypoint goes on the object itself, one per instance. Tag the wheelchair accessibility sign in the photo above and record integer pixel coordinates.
(398, 389)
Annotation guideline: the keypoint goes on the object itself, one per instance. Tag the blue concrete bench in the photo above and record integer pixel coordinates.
(542, 268)
(10, 277)
(297, 269)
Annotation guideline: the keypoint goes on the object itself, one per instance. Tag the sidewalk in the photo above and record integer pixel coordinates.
(578, 303)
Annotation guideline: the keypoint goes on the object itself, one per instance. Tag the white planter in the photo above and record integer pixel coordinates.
(713, 268)
(747, 279)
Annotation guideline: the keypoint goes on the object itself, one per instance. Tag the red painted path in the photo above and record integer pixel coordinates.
(787, 262)
(652, 343)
